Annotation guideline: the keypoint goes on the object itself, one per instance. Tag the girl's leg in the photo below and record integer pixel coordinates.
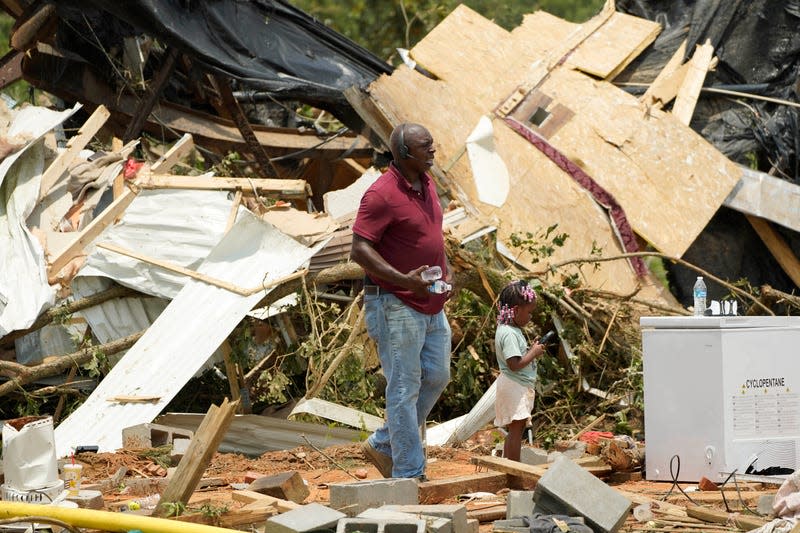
(513, 445)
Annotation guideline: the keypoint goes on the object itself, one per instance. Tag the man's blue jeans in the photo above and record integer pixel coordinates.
(414, 349)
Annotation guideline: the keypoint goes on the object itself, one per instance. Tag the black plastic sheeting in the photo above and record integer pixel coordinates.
(268, 45)
(758, 46)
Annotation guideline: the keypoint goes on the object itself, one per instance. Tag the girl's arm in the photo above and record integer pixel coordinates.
(519, 362)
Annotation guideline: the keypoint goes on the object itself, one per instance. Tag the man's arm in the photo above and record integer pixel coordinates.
(363, 252)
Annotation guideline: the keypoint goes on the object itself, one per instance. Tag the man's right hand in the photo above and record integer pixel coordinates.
(416, 283)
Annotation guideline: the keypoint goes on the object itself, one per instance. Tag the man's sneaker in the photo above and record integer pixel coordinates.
(381, 461)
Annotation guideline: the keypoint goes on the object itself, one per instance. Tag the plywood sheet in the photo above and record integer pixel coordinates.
(647, 160)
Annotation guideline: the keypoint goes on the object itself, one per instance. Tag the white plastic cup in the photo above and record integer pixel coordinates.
(72, 478)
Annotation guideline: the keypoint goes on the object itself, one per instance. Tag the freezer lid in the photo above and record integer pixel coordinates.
(718, 322)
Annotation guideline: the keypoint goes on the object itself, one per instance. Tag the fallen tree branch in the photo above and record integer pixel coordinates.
(58, 312)
(62, 363)
(678, 260)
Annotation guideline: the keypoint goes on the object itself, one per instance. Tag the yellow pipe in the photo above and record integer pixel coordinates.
(105, 520)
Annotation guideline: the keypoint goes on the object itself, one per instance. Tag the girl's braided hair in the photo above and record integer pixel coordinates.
(514, 294)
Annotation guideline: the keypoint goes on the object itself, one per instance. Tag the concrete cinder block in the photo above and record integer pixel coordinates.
(149, 435)
(433, 524)
(513, 525)
(604, 509)
(353, 498)
(533, 456)
(456, 513)
(179, 447)
(286, 486)
(304, 519)
(374, 525)
(519, 503)
(473, 525)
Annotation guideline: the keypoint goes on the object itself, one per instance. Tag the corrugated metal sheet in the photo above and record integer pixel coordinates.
(176, 226)
(183, 337)
(24, 291)
(254, 434)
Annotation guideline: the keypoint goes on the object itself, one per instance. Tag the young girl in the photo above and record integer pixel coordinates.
(515, 392)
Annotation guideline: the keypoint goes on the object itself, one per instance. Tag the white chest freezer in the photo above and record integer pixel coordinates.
(720, 393)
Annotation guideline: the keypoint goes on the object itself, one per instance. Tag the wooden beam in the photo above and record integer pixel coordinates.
(222, 284)
(513, 468)
(74, 146)
(780, 250)
(177, 151)
(196, 459)
(740, 521)
(11, 68)
(231, 371)
(685, 101)
(156, 86)
(439, 490)
(223, 86)
(288, 189)
(91, 232)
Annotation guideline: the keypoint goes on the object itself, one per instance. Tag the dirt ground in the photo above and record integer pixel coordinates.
(346, 463)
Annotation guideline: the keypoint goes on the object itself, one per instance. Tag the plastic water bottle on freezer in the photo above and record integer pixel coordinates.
(699, 296)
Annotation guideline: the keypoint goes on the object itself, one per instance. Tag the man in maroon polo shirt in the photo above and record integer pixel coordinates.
(396, 236)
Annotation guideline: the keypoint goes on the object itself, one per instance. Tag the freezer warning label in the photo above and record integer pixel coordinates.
(774, 414)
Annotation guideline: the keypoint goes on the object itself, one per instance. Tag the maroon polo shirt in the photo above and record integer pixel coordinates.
(405, 227)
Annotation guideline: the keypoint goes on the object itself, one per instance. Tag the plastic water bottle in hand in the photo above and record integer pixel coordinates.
(432, 274)
(439, 287)
(699, 296)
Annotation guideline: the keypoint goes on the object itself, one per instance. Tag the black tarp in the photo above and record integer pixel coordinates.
(267, 45)
(758, 46)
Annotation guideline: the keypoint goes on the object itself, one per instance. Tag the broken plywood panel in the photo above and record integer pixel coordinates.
(622, 160)
(646, 163)
(604, 53)
(607, 51)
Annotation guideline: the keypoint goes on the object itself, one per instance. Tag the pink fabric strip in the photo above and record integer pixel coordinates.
(601, 196)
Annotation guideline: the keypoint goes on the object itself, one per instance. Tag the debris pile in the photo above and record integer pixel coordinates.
(141, 254)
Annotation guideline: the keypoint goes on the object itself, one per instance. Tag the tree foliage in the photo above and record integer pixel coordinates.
(381, 27)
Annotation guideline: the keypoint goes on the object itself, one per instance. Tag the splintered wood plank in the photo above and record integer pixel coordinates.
(685, 101)
(513, 468)
(439, 490)
(196, 459)
(74, 146)
(663, 89)
(612, 47)
(177, 151)
(87, 235)
(780, 250)
(289, 189)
